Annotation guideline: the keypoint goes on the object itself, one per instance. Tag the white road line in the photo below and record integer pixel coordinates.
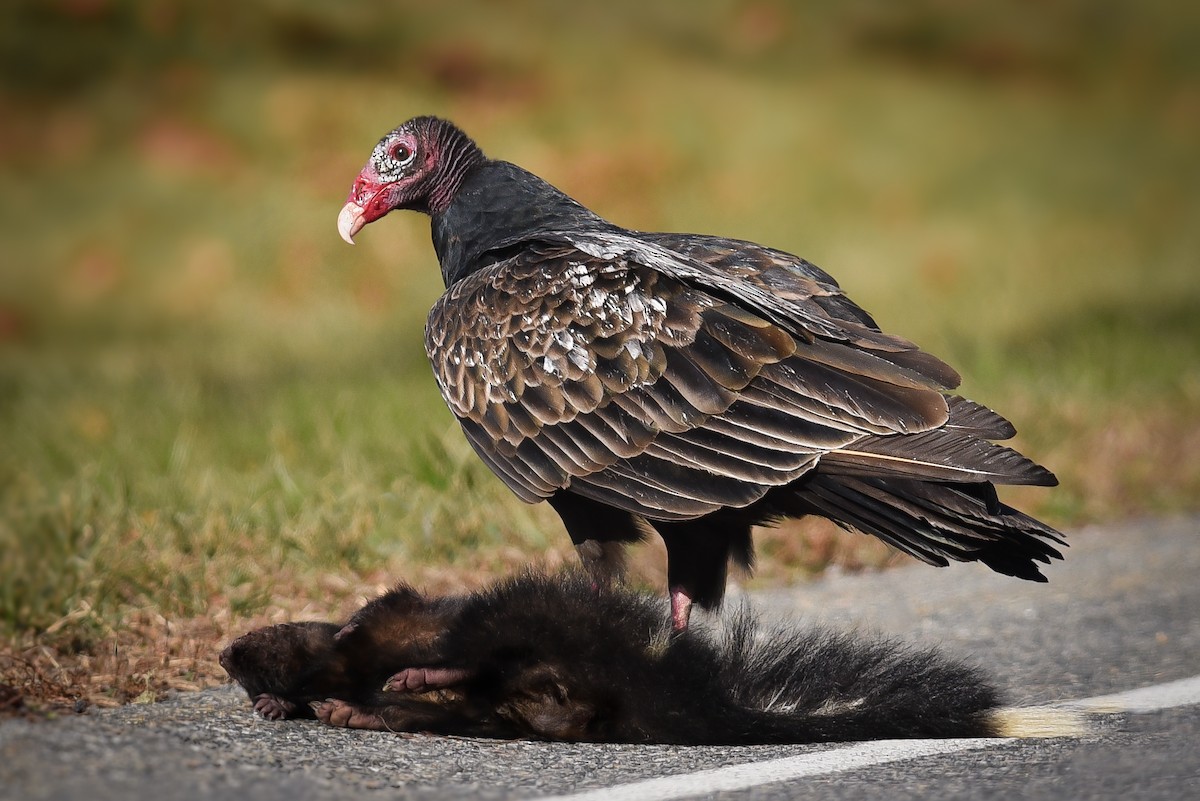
(753, 774)
(838, 760)
(1144, 699)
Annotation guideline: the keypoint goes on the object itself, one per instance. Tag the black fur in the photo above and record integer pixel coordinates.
(555, 658)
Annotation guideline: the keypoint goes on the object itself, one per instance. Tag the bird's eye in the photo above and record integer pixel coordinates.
(401, 153)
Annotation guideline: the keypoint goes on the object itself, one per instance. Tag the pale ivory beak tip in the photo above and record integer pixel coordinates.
(350, 221)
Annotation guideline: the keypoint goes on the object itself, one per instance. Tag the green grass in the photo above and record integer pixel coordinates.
(209, 404)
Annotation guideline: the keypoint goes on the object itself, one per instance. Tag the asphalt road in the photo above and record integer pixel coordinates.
(1120, 613)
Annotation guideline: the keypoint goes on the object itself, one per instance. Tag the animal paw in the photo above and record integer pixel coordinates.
(348, 716)
(419, 680)
(273, 707)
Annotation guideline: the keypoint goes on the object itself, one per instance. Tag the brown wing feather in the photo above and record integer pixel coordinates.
(789, 280)
(636, 388)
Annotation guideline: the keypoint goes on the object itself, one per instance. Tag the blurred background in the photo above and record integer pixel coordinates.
(212, 410)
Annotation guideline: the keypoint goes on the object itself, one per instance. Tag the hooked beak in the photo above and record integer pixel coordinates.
(350, 221)
(368, 201)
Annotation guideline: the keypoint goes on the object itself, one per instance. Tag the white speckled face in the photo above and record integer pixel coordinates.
(390, 180)
(405, 171)
(396, 156)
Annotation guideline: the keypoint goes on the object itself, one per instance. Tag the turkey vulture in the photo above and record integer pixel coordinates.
(690, 385)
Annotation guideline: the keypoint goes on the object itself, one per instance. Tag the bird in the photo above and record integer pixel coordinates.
(686, 385)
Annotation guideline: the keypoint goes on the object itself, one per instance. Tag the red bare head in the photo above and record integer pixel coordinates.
(417, 166)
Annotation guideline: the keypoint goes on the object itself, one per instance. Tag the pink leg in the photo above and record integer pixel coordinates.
(418, 680)
(681, 608)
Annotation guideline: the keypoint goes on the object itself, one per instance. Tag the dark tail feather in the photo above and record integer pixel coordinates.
(944, 454)
(959, 451)
(817, 686)
(933, 521)
(970, 417)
